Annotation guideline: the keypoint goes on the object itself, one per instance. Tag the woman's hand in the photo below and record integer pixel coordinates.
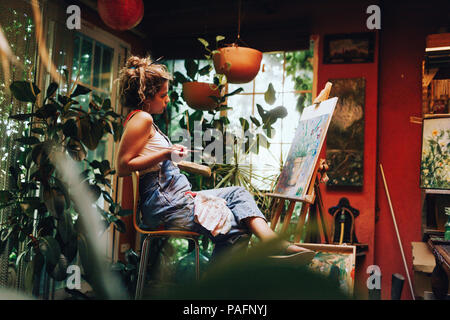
(178, 152)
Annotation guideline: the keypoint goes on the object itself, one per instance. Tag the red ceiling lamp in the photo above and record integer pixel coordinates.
(121, 14)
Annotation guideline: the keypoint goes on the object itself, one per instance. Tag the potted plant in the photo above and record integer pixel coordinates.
(41, 212)
(198, 95)
(238, 64)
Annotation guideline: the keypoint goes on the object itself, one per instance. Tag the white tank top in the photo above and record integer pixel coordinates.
(154, 144)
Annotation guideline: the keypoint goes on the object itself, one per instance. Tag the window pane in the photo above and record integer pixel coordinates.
(97, 64)
(85, 61)
(106, 74)
(299, 70)
(271, 72)
(242, 107)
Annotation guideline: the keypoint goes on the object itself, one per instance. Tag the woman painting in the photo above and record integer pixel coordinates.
(143, 147)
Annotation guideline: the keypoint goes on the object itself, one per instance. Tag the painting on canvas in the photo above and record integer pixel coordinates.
(345, 142)
(304, 152)
(435, 163)
(342, 257)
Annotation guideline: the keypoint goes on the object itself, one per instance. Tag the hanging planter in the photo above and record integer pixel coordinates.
(239, 64)
(121, 14)
(198, 95)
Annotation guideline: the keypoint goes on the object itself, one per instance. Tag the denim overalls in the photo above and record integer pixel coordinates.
(163, 201)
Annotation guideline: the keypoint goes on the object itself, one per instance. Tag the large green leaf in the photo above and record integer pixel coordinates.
(269, 95)
(179, 77)
(70, 128)
(24, 91)
(47, 110)
(54, 201)
(91, 132)
(65, 227)
(59, 271)
(28, 140)
(76, 149)
(80, 90)
(278, 112)
(49, 247)
(21, 117)
(51, 89)
(191, 68)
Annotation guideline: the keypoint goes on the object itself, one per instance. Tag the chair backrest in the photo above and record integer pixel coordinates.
(135, 179)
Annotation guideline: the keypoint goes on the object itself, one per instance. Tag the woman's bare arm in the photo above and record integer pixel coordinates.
(137, 132)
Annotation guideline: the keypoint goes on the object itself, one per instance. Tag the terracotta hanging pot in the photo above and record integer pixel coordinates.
(239, 64)
(197, 95)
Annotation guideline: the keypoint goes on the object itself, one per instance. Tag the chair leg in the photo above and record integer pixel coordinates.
(142, 268)
(197, 259)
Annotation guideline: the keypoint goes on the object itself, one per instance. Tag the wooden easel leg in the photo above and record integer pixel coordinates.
(312, 228)
(301, 222)
(276, 216)
(322, 220)
(287, 218)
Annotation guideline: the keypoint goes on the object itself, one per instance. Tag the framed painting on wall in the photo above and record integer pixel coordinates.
(349, 48)
(345, 140)
(304, 151)
(343, 257)
(435, 160)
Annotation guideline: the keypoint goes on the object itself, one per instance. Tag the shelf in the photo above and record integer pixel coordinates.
(436, 191)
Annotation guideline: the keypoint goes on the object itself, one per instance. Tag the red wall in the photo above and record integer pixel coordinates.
(393, 94)
(352, 19)
(399, 141)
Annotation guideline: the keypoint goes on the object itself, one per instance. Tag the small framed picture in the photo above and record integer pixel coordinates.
(349, 48)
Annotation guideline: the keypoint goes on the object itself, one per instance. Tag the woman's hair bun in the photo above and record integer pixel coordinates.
(140, 79)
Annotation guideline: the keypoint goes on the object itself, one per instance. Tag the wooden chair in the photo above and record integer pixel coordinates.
(156, 233)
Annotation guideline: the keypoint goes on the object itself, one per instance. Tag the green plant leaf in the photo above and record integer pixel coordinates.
(59, 271)
(255, 121)
(244, 123)
(204, 42)
(179, 77)
(191, 68)
(70, 128)
(120, 225)
(39, 131)
(238, 90)
(50, 248)
(269, 95)
(277, 113)
(95, 191)
(29, 141)
(54, 201)
(24, 91)
(80, 90)
(46, 111)
(51, 89)
(21, 117)
(125, 212)
(205, 70)
(91, 132)
(219, 38)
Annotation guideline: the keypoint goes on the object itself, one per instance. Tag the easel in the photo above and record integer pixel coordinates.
(312, 202)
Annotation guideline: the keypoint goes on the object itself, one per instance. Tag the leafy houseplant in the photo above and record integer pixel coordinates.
(41, 212)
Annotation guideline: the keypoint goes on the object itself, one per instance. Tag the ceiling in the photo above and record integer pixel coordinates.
(171, 28)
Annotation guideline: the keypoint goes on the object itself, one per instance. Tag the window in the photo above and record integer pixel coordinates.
(291, 74)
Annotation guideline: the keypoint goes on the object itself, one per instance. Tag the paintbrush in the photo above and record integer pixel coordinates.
(172, 148)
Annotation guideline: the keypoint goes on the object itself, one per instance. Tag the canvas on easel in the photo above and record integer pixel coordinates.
(303, 155)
